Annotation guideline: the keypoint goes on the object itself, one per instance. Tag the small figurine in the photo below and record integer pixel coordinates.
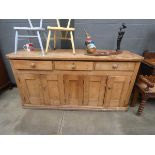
(120, 35)
(89, 43)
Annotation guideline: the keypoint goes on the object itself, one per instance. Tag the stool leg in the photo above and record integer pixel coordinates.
(141, 106)
(40, 42)
(48, 40)
(55, 40)
(72, 42)
(45, 37)
(16, 41)
(135, 96)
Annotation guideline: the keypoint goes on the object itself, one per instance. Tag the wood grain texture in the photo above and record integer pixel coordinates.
(61, 80)
(73, 65)
(66, 54)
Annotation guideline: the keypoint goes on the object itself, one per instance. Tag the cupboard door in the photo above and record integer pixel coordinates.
(73, 86)
(53, 89)
(116, 91)
(94, 90)
(31, 86)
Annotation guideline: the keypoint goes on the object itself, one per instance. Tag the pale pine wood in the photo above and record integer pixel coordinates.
(60, 28)
(31, 86)
(94, 90)
(73, 89)
(57, 83)
(116, 91)
(32, 65)
(72, 42)
(75, 107)
(66, 54)
(51, 82)
(55, 39)
(48, 40)
(73, 65)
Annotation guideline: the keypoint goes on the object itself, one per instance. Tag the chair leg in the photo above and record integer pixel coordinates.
(135, 96)
(40, 42)
(72, 42)
(55, 40)
(45, 37)
(29, 38)
(48, 40)
(16, 41)
(141, 106)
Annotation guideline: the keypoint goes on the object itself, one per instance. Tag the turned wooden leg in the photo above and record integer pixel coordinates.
(142, 104)
(135, 96)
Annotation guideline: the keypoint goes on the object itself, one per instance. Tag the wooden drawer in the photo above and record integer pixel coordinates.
(128, 66)
(32, 65)
(73, 65)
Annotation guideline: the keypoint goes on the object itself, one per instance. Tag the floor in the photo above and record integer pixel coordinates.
(16, 120)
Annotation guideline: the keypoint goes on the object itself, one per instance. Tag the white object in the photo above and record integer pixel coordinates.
(31, 28)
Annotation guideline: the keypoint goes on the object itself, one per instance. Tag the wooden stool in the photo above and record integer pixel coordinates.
(60, 29)
(144, 86)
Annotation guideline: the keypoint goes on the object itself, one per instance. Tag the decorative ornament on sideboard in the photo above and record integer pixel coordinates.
(89, 43)
(120, 35)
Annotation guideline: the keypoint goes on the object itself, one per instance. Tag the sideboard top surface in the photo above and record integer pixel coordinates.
(66, 54)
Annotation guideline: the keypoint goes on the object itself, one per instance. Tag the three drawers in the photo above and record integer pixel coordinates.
(72, 65)
(32, 65)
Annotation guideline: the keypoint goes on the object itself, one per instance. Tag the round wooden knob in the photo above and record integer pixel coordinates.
(73, 66)
(109, 88)
(115, 66)
(33, 65)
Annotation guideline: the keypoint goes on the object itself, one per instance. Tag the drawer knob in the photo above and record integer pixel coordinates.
(115, 66)
(73, 66)
(33, 65)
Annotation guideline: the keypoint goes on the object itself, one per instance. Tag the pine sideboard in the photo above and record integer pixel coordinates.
(61, 80)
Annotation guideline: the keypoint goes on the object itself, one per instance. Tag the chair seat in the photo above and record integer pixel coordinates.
(29, 28)
(60, 28)
(142, 86)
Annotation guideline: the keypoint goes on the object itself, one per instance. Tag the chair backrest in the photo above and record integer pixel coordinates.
(31, 25)
(68, 24)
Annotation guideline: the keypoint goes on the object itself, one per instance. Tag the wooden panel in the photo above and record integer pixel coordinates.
(116, 91)
(73, 86)
(129, 66)
(53, 89)
(33, 65)
(94, 90)
(32, 88)
(73, 65)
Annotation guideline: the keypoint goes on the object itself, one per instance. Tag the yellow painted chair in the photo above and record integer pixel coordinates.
(67, 30)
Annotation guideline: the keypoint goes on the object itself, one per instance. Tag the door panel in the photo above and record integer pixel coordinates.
(53, 89)
(94, 90)
(73, 86)
(116, 91)
(32, 88)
